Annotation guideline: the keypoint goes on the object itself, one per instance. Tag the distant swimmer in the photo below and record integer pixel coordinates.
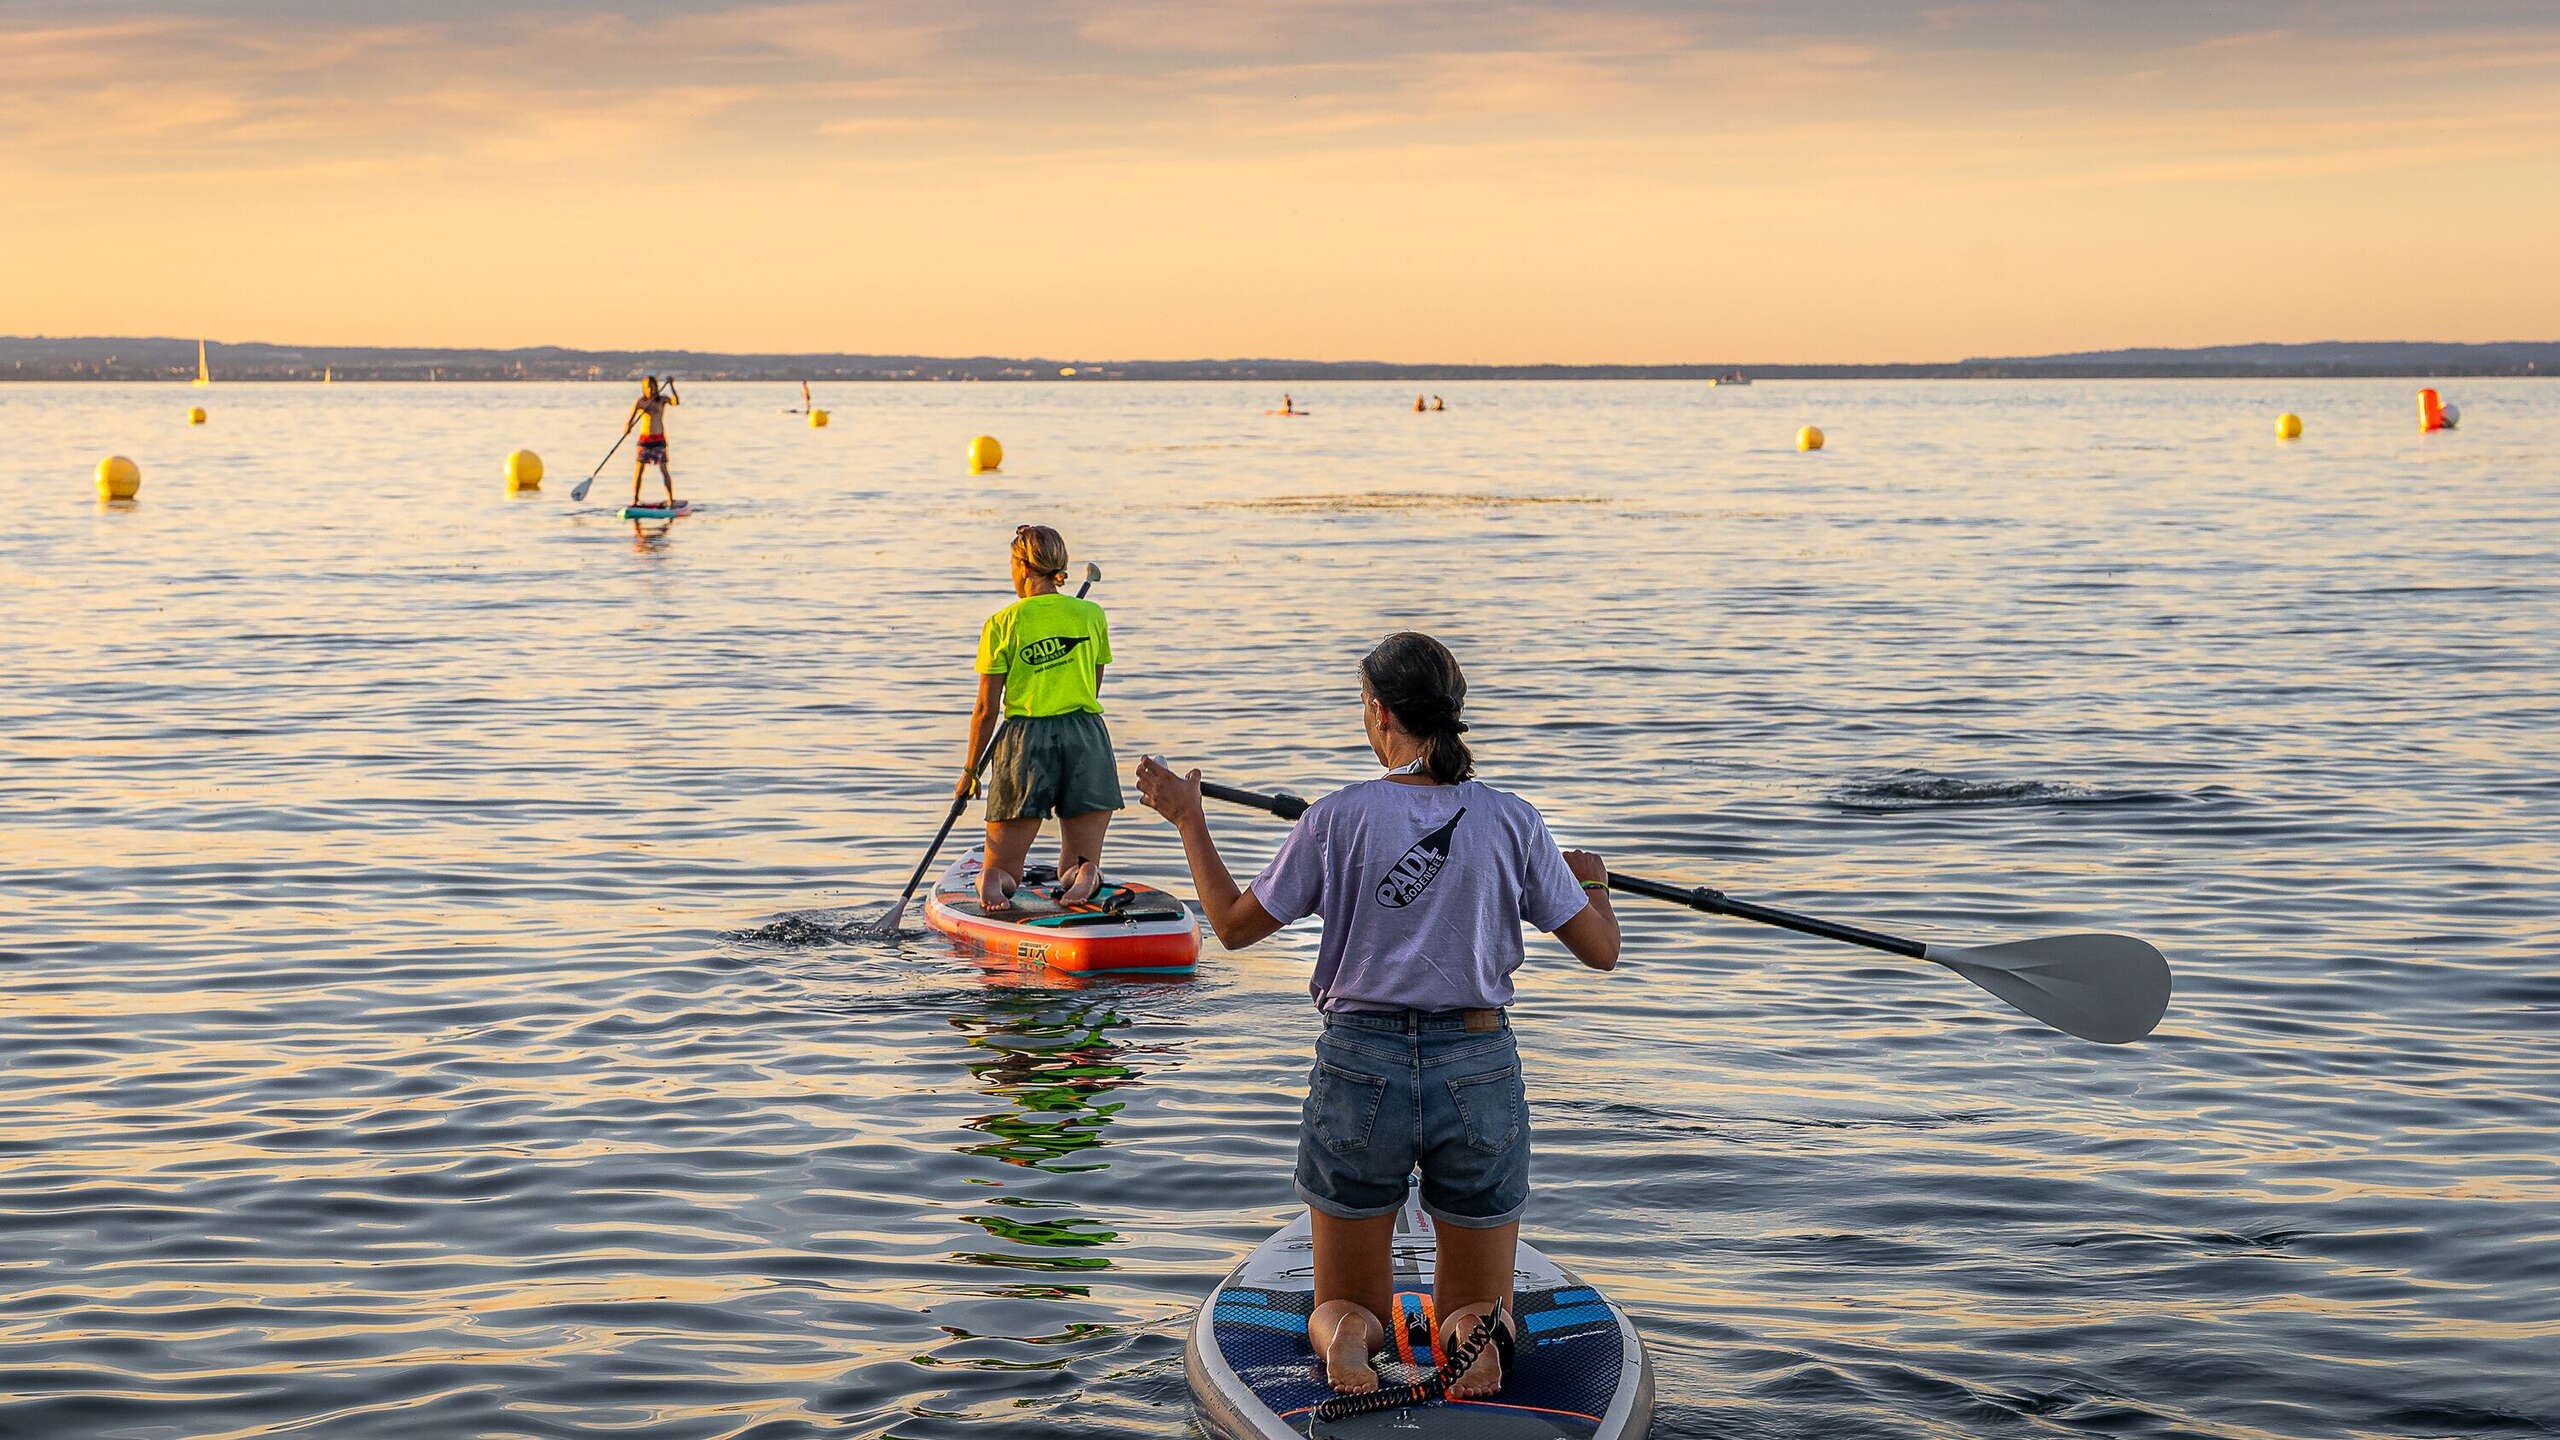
(651, 411)
(1439, 404)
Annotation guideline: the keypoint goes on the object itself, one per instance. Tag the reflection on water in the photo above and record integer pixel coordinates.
(429, 1006)
(1051, 1060)
(1054, 1064)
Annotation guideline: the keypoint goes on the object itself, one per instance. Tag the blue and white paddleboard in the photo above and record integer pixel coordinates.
(1581, 1371)
(657, 512)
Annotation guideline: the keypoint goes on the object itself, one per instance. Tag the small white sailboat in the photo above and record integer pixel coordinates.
(204, 372)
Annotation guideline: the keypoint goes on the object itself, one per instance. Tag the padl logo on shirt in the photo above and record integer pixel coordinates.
(1418, 867)
(1049, 650)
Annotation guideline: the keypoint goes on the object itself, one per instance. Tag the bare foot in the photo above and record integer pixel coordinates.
(1484, 1377)
(1082, 880)
(995, 890)
(1346, 1335)
(1347, 1368)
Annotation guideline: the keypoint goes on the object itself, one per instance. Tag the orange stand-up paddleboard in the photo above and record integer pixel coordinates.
(1124, 929)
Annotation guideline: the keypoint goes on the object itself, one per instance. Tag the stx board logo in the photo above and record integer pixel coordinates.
(1039, 654)
(1030, 950)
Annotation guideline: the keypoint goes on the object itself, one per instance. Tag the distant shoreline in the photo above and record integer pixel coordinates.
(702, 377)
(162, 359)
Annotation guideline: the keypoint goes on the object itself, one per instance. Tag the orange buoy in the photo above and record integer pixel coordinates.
(2431, 414)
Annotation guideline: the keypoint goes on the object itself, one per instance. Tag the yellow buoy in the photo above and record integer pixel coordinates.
(985, 454)
(524, 470)
(1809, 438)
(2288, 426)
(118, 478)
(817, 419)
(195, 414)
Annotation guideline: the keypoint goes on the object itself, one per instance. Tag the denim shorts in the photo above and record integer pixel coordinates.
(1393, 1092)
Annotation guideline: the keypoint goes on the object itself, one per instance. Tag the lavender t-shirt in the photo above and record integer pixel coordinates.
(1422, 889)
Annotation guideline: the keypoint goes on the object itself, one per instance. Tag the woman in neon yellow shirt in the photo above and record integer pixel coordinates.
(1040, 663)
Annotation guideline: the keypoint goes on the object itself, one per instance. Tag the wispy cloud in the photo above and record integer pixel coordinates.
(1217, 139)
(1187, 27)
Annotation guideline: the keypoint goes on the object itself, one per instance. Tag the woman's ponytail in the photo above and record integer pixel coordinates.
(1419, 682)
(1041, 550)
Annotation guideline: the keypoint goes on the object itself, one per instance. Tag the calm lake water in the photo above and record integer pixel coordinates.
(423, 1009)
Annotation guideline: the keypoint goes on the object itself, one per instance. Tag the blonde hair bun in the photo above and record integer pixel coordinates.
(1041, 550)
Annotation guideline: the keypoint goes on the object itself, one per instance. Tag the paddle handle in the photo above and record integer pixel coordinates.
(1287, 807)
(1716, 902)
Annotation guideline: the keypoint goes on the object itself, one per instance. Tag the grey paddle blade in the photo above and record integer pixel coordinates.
(2109, 988)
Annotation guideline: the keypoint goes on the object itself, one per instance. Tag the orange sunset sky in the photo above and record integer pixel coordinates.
(1834, 180)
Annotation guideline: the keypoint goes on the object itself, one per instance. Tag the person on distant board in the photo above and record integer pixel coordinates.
(650, 411)
(1040, 665)
(1288, 406)
(1418, 406)
(1439, 404)
(806, 405)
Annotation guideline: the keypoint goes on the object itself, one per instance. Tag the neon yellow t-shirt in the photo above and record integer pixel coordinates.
(1051, 650)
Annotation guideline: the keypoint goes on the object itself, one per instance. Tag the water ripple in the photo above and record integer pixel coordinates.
(440, 1002)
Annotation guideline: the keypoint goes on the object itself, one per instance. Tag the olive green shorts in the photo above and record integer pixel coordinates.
(1048, 765)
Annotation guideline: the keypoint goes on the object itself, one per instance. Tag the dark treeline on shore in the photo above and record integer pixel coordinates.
(127, 358)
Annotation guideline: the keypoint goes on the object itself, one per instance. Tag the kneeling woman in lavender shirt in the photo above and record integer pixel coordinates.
(1423, 877)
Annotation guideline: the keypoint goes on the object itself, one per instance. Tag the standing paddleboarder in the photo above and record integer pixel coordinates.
(1423, 877)
(1040, 664)
(650, 413)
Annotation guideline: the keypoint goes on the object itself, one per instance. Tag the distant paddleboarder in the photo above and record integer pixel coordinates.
(1423, 877)
(1439, 404)
(1040, 664)
(650, 412)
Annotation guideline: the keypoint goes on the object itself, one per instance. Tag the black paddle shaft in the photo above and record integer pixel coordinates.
(958, 805)
(1716, 902)
(617, 447)
(1286, 806)
(1713, 902)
